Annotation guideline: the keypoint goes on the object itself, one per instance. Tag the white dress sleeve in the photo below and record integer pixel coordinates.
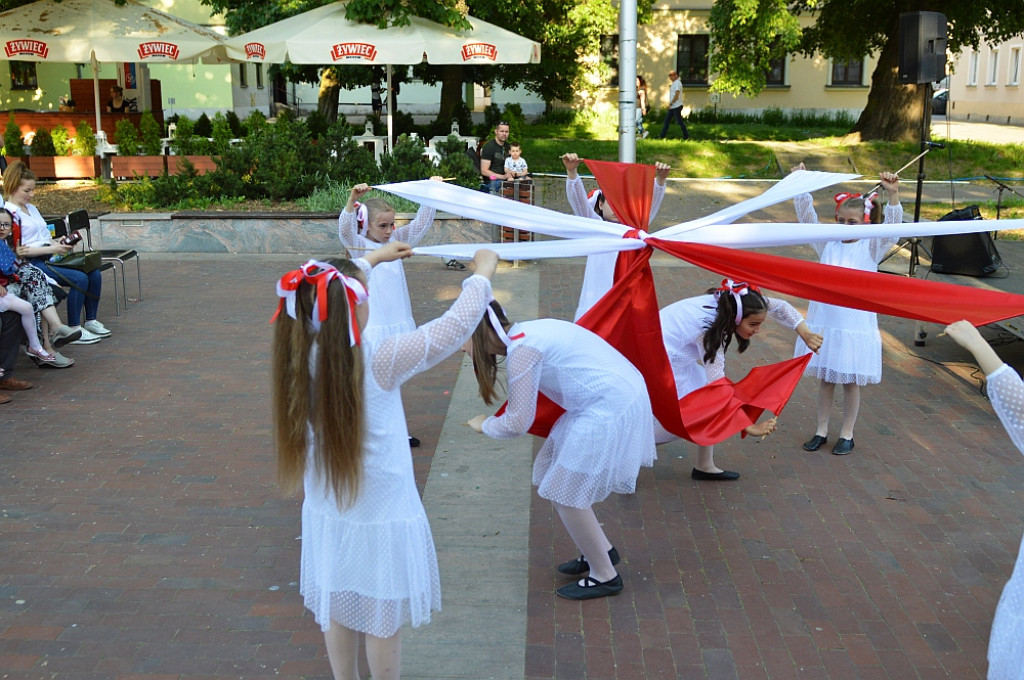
(402, 356)
(783, 313)
(656, 199)
(413, 232)
(806, 214)
(524, 370)
(880, 246)
(1006, 390)
(577, 196)
(348, 231)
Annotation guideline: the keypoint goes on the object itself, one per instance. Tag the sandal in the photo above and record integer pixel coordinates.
(454, 264)
(588, 589)
(41, 354)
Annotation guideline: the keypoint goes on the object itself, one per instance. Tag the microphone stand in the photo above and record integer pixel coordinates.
(999, 196)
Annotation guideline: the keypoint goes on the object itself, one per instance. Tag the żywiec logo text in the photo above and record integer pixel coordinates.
(158, 49)
(255, 50)
(364, 51)
(479, 52)
(15, 48)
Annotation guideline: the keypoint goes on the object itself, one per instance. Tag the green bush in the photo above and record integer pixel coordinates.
(221, 134)
(14, 144)
(406, 162)
(317, 124)
(149, 129)
(42, 143)
(253, 123)
(203, 128)
(402, 123)
(285, 159)
(237, 131)
(61, 140)
(126, 136)
(345, 159)
(186, 142)
(85, 140)
(455, 163)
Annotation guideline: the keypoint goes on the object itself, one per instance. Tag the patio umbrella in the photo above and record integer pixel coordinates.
(77, 31)
(324, 36)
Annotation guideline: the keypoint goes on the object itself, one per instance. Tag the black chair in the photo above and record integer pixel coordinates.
(79, 220)
(60, 230)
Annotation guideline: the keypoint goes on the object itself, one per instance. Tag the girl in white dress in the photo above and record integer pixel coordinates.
(595, 448)
(368, 560)
(599, 274)
(1006, 391)
(697, 332)
(369, 225)
(852, 348)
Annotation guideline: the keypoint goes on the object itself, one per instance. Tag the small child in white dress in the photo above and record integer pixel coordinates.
(368, 562)
(851, 353)
(599, 274)
(1006, 391)
(594, 449)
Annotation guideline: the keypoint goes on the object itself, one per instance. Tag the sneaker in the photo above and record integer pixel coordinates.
(96, 328)
(64, 335)
(88, 338)
(645, 134)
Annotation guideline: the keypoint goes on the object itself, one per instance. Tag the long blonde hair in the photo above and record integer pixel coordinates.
(485, 363)
(328, 403)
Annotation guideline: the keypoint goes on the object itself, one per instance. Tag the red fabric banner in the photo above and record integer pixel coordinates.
(904, 297)
(628, 188)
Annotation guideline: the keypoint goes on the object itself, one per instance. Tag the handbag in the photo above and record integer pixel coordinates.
(84, 261)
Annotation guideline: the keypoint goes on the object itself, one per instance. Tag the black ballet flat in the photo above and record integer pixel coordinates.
(814, 443)
(842, 447)
(723, 476)
(581, 566)
(591, 589)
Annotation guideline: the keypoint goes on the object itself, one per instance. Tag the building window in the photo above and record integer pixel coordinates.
(1014, 78)
(993, 66)
(776, 74)
(849, 73)
(243, 75)
(23, 75)
(692, 59)
(610, 58)
(972, 68)
(259, 76)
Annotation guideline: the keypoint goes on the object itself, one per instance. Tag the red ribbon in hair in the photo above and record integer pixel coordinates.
(319, 275)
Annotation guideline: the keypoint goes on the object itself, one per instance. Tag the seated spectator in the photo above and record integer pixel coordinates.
(37, 246)
(117, 103)
(492, 159)
(515, 164)
(11, 336)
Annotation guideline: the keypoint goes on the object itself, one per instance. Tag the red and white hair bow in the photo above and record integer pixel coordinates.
(737, 290)
(362, 217)
(592, 198)
(845, 196)
(319, 275)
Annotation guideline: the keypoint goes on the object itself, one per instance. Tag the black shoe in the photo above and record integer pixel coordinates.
(842, 447)
(454, 264)
(413, 442)
(723, 476)
(814, 443)
(580, 566)
(591, 589)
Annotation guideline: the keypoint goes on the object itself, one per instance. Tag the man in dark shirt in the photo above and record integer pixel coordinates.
(492, 159)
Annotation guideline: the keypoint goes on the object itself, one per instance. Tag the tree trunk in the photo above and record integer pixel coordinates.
(330, 91)
(894, 112)
(451, 91)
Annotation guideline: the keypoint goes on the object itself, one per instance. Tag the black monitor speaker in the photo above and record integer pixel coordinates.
(966, 254)
(922, 47)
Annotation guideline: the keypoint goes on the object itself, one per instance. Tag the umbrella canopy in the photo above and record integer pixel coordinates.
(324, 36)
(100, 30)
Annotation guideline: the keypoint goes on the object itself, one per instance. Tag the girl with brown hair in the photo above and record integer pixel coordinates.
(368, 560)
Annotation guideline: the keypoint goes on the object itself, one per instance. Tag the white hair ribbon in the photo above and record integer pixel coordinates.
(592, 199)
(496, 325)
(362, 217)
(319, 275)
(737, 290)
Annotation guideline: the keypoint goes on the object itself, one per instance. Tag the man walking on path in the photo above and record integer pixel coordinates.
(675, 106)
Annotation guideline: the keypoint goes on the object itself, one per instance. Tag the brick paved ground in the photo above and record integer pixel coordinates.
(143, 537)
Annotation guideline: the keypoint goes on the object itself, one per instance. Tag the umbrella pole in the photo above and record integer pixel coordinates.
(390, 101)
(96, 88)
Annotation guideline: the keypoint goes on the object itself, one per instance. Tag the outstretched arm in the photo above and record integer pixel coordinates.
(413, 232)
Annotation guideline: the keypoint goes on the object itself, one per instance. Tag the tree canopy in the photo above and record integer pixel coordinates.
(748, 34)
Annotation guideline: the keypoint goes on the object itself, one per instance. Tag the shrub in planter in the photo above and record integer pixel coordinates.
(203, 128)
(126, 137)
(42, 144)
(455, 163)
(346, 160)
(61, 140)
(182, 143)
(149, 130)
(237, 131)
(286, 160)
(406, 162)
(85, 140)
(14, 144)
(221, 134)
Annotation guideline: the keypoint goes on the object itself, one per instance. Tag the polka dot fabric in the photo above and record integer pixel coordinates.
(606, 434)
(851, 349)
(370, 564)
(1006, 641)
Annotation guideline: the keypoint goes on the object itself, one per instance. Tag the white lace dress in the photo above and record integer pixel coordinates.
(606, 434)
(1006, 641)
(851, 349)
(599, 274)
(371, 566)
(683, 325)
(390, 309)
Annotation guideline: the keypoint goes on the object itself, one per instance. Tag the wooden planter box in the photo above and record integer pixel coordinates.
(203, 164)
(76, 167)
(42, 167)
(11, 159)
(143, 166)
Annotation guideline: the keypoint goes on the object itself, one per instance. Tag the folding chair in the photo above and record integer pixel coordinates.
(60, 230)
(79, 220)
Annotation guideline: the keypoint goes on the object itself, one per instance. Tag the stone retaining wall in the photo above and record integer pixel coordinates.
(207, 232)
